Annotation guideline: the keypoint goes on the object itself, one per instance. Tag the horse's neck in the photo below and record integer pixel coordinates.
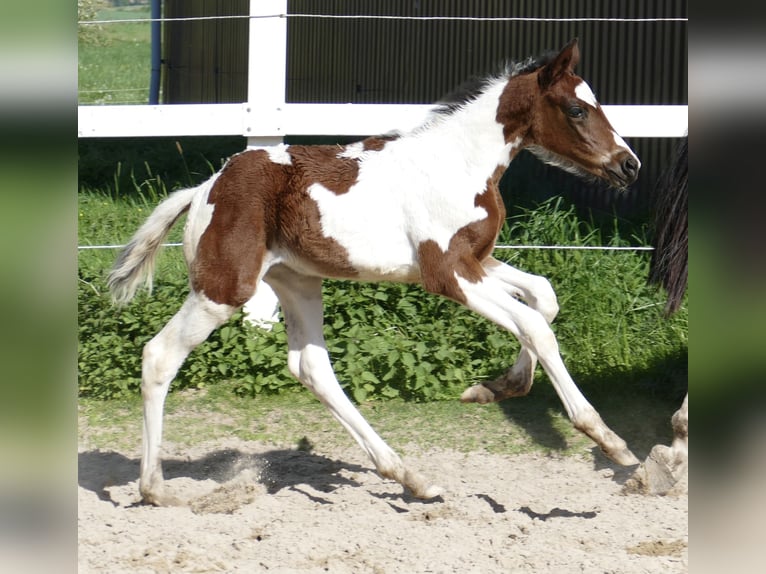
(471, 138)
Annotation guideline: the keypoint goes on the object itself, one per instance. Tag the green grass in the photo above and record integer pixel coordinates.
(531, 424)
(114, 59)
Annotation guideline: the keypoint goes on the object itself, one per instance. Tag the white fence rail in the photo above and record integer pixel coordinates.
(269, 121)
(266, 118)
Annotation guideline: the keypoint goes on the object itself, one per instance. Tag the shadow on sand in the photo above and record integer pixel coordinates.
(276, 469)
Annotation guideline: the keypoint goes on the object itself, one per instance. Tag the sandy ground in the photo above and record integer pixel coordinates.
(256, 507)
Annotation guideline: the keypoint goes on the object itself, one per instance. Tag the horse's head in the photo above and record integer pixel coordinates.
(567, 127)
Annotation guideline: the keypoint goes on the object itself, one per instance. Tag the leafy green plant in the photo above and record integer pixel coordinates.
(386, 341)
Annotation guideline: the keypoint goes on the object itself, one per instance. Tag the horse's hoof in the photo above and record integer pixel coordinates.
(623, 457)
(478, 394)
(428, 493)
(153, 499)
(419, 486)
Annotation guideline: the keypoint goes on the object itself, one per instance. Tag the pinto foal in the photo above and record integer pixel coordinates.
(419, 207)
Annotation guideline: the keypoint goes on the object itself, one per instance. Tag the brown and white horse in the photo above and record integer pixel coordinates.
(420, 207)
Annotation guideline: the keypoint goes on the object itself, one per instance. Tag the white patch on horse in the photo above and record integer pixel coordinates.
(584, 93)
(619, 141)
(352, 151)
(404, 197)
(262, 309)
(371, 230)
(280, 154)
(505, 155)
(199, 217)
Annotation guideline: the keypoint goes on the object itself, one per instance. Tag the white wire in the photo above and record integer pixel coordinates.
(113, 90)
(382, 17)
(416, 18)
(121, 246)
(562, 247)
(579, 247)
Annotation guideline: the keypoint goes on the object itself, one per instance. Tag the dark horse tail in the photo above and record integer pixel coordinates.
(670, 260)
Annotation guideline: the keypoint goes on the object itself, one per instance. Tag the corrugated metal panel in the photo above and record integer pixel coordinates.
(205, 61)
(389, 61)
(399, 61)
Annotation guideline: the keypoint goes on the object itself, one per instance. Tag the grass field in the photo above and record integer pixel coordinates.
(114, 59)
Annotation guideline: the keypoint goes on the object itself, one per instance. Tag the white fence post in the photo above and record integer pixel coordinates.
(266, 73)
(266, 76)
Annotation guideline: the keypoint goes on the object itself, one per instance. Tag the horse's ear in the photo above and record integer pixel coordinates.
(562, 64)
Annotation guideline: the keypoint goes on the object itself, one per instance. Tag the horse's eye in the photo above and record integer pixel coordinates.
(576, 112)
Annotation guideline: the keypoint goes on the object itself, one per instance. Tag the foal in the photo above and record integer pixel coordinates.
(420, 207)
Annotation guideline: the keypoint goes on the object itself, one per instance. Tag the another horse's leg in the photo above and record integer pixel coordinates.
(162, 358)
(489, 298)
(680, 422)
(666, 469)
(537, 292)
(301, 300)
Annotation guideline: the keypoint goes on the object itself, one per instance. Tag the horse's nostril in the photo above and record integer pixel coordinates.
(630, 167)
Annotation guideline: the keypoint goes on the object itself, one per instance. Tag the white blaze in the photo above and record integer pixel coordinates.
(584, 93)
(623, 144)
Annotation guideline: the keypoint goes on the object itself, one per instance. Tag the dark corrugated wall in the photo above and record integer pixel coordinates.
(400, 61)
(205, 61)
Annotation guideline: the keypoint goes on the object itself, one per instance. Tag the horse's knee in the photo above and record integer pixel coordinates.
(152, 364)
(545, 300)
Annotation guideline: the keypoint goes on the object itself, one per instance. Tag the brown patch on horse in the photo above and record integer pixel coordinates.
(260, 206)
(468, 247)
(299, 228)
(514, 107)
(377, 143)
(321, 164)
(231, 249)
(480, 236)
(438, 269)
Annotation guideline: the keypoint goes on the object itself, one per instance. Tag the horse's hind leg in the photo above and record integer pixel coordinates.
(162, 358)
(301, 300)
(537, 292)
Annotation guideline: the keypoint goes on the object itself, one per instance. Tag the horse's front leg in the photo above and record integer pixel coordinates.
(517, 381)
(488, 296)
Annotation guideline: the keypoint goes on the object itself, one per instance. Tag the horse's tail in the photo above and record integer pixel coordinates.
(136, 262)
(670, 261)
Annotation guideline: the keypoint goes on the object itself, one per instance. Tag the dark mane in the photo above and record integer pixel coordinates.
(475, 85)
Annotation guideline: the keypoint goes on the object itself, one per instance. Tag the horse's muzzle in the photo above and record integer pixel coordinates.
(623, 170)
